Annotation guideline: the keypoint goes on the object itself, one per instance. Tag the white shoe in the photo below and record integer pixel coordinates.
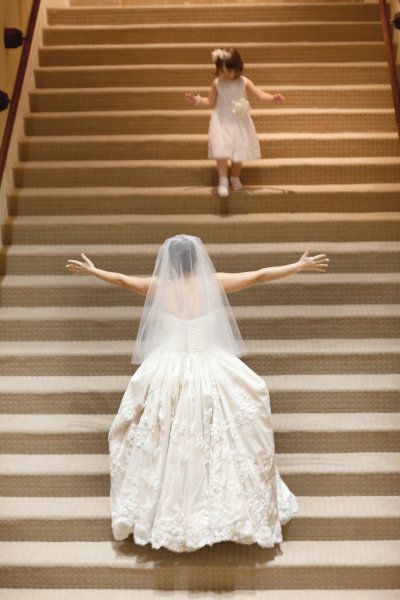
(236, 183)
(223, 191)
(223, 187)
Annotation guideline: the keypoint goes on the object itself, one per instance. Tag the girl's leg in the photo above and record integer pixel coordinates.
(236, 167)
(222, 166)
(223, 185)
(235, 172)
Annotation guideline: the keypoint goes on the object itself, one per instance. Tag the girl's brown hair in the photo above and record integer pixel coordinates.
(233, 62)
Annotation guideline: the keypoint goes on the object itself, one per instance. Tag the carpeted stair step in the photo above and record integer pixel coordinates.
(86, 394)
(193, 2)
(140, 14)
(148, 122)
(351, 257)
(299, 289)
(170, 97)
(267, 171)
(293, 433)
(88, 519)
(129, 54)
(118, 594)
(213, 33)
(275, 356)
(304, 564)
(339, 198)
(308, 474)
(256, 227)
(51, 323)
(194, 146)
(274, 74)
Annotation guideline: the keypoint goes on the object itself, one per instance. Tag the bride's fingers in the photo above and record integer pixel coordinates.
(75, 262)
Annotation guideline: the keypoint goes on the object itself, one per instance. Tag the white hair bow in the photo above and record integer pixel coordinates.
(219, 53)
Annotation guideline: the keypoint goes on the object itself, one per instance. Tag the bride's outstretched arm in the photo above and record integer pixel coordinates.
(232, 282)
(140, 285)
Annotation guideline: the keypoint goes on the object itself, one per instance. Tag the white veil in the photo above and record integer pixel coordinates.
(184, 284)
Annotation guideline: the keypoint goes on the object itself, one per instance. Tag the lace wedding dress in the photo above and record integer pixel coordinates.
(191, 457)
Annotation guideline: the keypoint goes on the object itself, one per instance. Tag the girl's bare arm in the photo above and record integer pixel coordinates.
(260, 94)
(203, 101)
(140, 285)
(232, 282)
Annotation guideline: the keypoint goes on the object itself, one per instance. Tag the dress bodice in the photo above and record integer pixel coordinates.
(230, 90)
(186, 335)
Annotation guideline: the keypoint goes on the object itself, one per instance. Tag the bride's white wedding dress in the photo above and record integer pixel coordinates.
(192, 457)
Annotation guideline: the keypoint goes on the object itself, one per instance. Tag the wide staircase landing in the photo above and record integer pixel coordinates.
(112, 162)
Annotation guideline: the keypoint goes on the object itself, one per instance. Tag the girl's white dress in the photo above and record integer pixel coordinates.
(232, 135)
(191, 456)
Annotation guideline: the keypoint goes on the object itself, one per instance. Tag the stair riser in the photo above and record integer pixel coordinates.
(303, 483)
(53, 263)
(160, 175)
(256, 329)
(119, 364)
(98, 402)
(285, 442)
(332, 576)
(99, 529)
(215, 35)
(170, 99)
(197, 123)
(192, 202)
(192, 2)
(191, 150)
(53, 57)
(271, 75)
(278, 293)
(208, 14)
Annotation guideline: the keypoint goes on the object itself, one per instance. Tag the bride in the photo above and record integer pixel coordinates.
(192, 454)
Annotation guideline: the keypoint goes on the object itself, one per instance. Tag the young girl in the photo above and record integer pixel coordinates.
(231, 133)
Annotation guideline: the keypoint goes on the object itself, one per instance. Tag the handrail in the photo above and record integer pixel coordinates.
(387, 34)
(12, 107)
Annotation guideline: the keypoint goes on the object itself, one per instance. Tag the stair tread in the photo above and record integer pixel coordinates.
(202, 218)
(294, 554)
(148, 594)
(220, 248)
(270, 311)
(379, 187)
(175, 88)
(206, 46)
(288, 346)
(192, 163)
(298, 462)
(50, 384)
(282, 422)
(202, 137)
(95, 507)
(185, 113)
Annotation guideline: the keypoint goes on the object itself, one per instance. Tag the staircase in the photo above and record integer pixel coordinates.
(112, 162)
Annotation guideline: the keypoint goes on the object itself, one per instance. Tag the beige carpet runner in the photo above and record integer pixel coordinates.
(111, 163)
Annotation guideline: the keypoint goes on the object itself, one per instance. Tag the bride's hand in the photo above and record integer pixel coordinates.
(313, 263)
(80, 268)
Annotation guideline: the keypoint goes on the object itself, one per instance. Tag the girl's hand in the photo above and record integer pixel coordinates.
(80, 268)
(278, 97)
(313, 263)
(190, 98)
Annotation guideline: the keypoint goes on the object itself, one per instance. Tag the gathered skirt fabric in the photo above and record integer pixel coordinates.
(231, 136)
(191, 454)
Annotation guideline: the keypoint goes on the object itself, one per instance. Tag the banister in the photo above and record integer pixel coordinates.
(13, 106)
